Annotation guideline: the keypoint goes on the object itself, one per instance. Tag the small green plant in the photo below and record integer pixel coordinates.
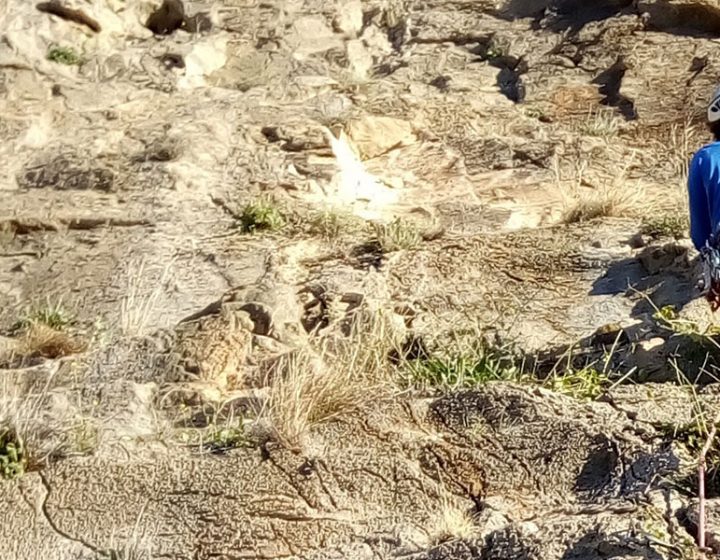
(261, 215)
(12, 455)
(64, 55)
(50, 315)
(492, 51)
(669, 319)
(692, 436)
(332, 224)
(84, 437)
(534, 113)
(477, 365)
(398, 234)
(666, 226)
(585, 383)
(221, 439)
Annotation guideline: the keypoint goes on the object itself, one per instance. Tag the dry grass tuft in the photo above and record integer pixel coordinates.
(451, 522)
(333, 224)
(683, 142)
(613, 197)
(32, 433)
(137, 546)
(606, 201)
(333, 377)
(602, 123)
(397, 235)
(136, 308)
(39, 340)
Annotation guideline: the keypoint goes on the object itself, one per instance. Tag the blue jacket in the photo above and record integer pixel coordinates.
(704, 192)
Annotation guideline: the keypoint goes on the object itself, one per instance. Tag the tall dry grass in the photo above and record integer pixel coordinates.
(137, 308)
(331, 377)
(450, 523)
(613, 197)
(25, 424)
(684, 140)
(137, 545)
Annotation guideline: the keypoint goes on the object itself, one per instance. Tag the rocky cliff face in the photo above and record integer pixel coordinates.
(201, 204)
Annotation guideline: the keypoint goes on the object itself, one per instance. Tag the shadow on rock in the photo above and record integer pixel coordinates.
(609, 82)
(601, 465)
(564, 15)
(597, 544)
(665, 274)
(656, 348)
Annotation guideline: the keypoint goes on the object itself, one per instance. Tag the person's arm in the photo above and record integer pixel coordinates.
(700, 226)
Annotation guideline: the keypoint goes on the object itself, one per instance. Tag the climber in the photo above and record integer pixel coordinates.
(704, 196)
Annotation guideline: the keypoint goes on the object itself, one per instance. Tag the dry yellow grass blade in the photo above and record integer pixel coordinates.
(451, 523)
(614, 197)
(333, 377)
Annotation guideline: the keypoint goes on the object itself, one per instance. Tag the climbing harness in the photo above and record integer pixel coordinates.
(711, 270)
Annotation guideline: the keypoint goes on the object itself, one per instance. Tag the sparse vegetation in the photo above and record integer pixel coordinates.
(29, 436)
(224, 438)
(472, 366)
(263, 214)
(601, 123)
(397, 235)
(463, 365)
(12, 454)
(584, 383)
(137, 308)
(64, 55)
(305, 383)
(51, 315)
(42, 332)
(40, 340)
(607, 200)
(668, 318)
(332, 224)
(334, 377)
(693, 437)
(609, 197)
(452, 523)
(677, 226)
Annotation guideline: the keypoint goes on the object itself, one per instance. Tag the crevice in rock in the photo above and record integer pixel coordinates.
(29, 225)
(292, 482)
(54, 526)
(368, 255)
(459, 39)
(609, 83)
(397, 33)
